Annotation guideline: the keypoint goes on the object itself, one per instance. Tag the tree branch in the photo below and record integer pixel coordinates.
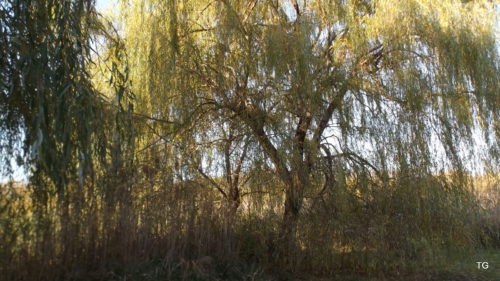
(215, 184)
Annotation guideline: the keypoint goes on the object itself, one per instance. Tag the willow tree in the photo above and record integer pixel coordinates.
(381, 86)
(49, 107)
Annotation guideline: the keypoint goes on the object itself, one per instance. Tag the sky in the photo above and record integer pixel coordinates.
(103, 5)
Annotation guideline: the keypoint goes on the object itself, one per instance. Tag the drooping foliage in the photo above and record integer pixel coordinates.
(49, 106)
(66, 134)
(381, 88)
(317, 136)
(373, 71)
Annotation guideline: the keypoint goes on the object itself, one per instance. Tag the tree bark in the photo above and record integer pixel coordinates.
(288, 246)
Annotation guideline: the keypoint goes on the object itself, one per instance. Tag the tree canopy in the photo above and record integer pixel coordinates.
(376, 87)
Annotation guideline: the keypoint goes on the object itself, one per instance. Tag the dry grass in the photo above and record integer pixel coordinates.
(157, 231)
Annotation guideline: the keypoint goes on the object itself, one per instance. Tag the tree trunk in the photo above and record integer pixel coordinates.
(233, 203)
(288, 248)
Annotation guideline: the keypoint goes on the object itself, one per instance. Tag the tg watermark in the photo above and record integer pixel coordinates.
(482, 265)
